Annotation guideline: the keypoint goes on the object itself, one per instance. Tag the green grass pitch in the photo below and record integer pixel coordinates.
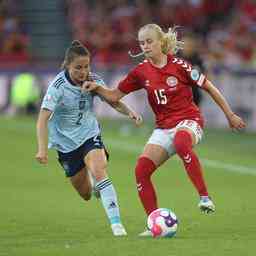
(41, 214)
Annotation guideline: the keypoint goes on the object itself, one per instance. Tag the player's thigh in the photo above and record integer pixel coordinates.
(96, 162)
(191, 134)
(193, 128)
(159, 146)
(156, 153)
(82, 184)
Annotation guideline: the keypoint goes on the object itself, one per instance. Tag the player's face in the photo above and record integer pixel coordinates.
(79, 69)
(149, 43)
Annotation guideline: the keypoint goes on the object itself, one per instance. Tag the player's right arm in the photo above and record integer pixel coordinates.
(130, 83)
(42, 135)
(111, 95)
(51, 100)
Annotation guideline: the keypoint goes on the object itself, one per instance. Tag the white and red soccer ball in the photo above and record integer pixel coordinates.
(162, 222)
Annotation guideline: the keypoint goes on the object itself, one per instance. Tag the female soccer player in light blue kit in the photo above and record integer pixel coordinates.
(67, 113)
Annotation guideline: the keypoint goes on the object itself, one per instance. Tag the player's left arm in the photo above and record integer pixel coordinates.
(235, 122)
(125, 110)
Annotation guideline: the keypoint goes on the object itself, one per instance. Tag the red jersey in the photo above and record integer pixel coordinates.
(169, 90)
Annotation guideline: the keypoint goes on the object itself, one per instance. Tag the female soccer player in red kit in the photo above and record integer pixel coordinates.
(179, 123)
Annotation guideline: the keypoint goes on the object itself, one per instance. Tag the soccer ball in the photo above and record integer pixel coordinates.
(162, 222)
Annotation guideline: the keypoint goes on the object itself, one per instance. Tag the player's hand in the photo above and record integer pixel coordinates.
(89, 86)
(138, 120)
(42, 157)
(236, 122)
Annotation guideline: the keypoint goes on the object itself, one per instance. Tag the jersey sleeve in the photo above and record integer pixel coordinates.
(52, 97)
(130, 83)
(192, 75)
(97, 79)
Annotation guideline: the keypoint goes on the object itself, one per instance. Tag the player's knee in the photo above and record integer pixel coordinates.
(182, 142)
(99, 171)
(100, 174)
(144, 168)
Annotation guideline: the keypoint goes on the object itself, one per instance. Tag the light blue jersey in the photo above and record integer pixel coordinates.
(73, 120)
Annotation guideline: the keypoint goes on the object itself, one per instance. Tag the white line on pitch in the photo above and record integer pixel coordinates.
(132, 148)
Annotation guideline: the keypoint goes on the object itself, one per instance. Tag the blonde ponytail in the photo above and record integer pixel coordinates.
(170, 43)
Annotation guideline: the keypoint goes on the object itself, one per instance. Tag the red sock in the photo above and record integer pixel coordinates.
(183, 146)
(143, 171)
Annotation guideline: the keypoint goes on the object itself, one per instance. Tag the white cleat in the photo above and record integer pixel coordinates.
(118, 229)
(146, 233)
(206, 205)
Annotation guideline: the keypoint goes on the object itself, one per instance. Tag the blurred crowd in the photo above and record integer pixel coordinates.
(225, 29)
(13, 37)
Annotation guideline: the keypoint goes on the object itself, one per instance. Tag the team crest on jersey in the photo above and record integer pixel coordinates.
(172, 81)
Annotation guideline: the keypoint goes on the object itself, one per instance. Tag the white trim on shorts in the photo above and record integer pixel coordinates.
(164, 137)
